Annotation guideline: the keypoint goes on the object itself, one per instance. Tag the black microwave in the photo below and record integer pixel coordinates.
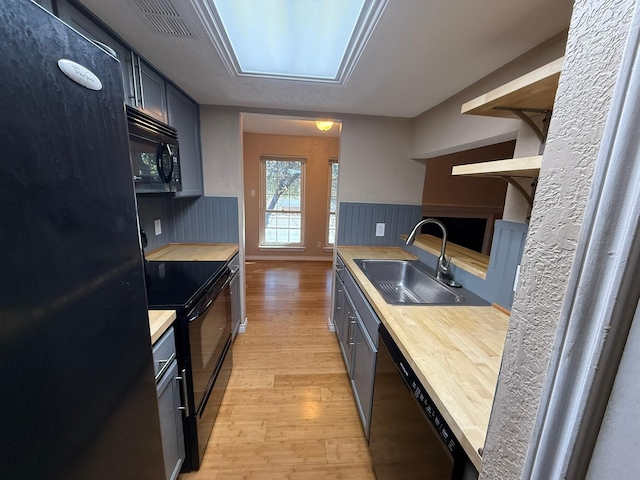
(154, 152)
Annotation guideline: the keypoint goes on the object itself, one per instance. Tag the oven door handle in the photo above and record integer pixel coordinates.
(197, 315)
(200, 311)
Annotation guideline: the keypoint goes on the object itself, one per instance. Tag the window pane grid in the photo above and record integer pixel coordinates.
(283, 187)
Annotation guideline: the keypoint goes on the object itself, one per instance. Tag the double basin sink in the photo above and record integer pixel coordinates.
(408, 282)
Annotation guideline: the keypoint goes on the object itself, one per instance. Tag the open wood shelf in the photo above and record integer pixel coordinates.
(535, 90)
(513, 167)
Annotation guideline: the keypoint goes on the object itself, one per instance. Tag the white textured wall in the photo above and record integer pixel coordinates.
(443, 130)
(374, 162)
(594, 49)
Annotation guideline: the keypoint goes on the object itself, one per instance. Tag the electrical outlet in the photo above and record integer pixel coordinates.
(158, 226)
(253, 193)
(379, 229)
(319, 245)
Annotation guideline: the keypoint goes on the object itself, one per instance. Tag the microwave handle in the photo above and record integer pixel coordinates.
(166, 178)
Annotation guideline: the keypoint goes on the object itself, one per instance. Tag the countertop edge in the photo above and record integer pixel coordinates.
(159, 322)
(192, 252)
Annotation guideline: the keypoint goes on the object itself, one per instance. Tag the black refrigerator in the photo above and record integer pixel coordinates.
(77, 389)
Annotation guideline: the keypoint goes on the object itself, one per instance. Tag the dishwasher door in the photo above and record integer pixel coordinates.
(403, 443)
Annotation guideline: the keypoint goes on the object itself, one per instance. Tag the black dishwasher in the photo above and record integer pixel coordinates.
(409, 438)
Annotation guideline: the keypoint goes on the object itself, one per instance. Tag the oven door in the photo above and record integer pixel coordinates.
(209, 330)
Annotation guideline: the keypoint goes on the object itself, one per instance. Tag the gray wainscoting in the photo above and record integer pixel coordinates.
(357, 222)
(189, 220)
(506, 253)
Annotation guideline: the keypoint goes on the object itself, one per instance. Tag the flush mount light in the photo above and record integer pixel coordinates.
(309, 40)
(324, 125)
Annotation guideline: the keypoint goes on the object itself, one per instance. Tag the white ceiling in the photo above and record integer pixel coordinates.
(421, 53)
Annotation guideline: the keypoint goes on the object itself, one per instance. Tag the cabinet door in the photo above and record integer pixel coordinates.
(338, 305)
(184, 116)
(346, 334)
(151, 92)
(363, 370)
(171, 422)
(87, 27)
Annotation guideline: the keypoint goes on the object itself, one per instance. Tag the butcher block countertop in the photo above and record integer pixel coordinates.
(194, 252)
(454, 350)
(159, 322)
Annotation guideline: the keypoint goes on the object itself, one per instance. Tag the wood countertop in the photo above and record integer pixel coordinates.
(194, 252)
(469, 260)
(455, 351)
(159, 322)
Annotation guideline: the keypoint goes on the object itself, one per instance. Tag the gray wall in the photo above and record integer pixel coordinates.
(189, 220)
(594, 49)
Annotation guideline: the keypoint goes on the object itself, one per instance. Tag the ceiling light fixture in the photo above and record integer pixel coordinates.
(324, 125)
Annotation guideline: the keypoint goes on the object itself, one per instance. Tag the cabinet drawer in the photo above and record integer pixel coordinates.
(164, 350)
(369, 318)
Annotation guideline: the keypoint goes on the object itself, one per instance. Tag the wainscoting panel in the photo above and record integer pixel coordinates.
(357, 222)
(506, 253)
(189, 220)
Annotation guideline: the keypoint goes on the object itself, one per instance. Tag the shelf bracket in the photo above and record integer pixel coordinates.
(518, 187)
(521, 113)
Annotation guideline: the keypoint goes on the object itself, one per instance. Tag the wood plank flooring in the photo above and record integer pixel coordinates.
(288, 412)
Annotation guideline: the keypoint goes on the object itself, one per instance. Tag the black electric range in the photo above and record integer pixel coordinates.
(179, 285)
(200, 294)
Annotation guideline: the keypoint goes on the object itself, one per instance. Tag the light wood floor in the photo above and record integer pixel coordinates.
(288, 412)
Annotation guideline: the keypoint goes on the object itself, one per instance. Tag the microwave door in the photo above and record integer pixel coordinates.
(145, 166)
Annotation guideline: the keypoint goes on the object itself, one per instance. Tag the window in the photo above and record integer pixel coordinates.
(333, 201)
(282, 201)
(299, 40)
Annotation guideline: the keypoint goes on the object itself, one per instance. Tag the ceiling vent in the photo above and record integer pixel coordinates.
(163, 17)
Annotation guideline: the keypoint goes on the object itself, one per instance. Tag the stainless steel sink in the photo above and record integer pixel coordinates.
(406, 282)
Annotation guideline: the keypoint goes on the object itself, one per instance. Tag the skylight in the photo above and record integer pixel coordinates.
(313, 40)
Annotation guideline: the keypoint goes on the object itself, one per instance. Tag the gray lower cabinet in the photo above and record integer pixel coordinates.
(357, 332)
(169, 403)
(184, 116)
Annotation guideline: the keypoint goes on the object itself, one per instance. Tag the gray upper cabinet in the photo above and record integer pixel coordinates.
(183, 115)
(149, 92)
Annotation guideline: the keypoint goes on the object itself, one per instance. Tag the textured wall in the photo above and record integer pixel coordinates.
(594, 49)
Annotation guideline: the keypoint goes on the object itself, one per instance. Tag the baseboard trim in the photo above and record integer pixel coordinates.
(332, 327)
(243, 326)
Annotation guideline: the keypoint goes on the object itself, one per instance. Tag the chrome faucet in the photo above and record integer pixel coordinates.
(443, 267)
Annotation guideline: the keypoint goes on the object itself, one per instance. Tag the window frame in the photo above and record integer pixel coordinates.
(263, 207)
(332, 161)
